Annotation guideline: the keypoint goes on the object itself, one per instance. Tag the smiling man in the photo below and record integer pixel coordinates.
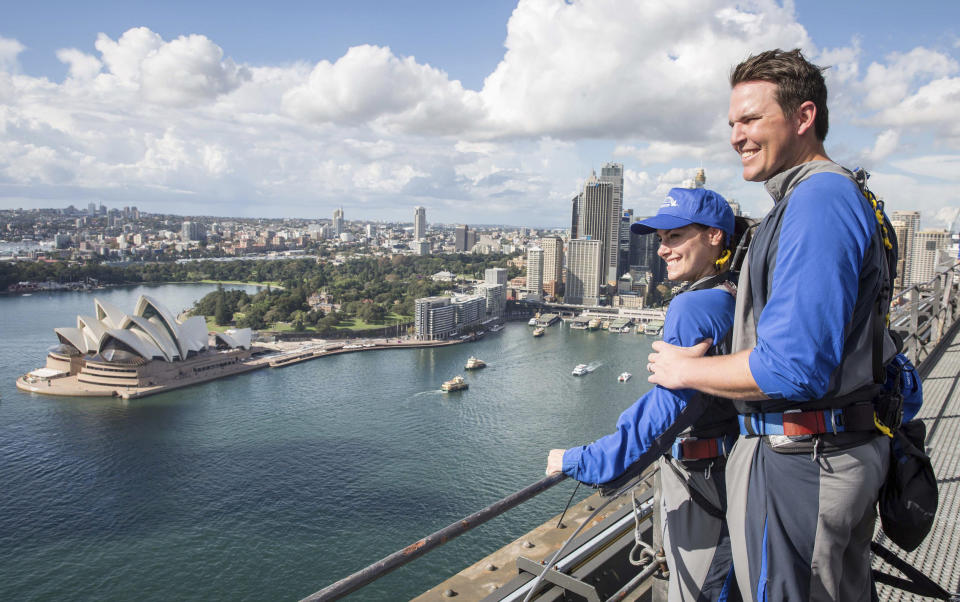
(803, 479)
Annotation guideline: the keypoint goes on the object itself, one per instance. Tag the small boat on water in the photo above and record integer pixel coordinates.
(496, 328)
(538, 331)
(580, 370)
(454, 384)
(624, 377)
(532, 322)
(473, 363)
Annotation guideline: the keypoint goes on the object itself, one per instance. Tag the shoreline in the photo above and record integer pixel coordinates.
(285, 354)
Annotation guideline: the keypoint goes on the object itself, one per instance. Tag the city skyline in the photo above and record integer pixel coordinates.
(379, 108)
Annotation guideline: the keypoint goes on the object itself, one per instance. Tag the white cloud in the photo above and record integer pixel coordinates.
(886, 144)
(887, 84)
(580, 83)
(188, 70)
(941, 167)
(661, 152)
(935, 106)
(369, 83)
(82, 65)
(10, 49)
(614, 70)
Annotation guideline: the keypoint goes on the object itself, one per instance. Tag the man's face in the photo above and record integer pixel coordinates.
(766, 140)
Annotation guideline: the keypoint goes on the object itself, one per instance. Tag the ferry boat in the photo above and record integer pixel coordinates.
(454, 384)
(593, 324)
(538, 331)
(624, 377)
(473, 363)
(580, 370)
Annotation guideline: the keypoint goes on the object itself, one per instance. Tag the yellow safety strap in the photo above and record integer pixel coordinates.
(880, 426)
(724, 258)
(878, 212)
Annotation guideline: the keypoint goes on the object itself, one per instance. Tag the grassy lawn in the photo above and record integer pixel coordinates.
(348, 324)
(212, 326)
(355, 323)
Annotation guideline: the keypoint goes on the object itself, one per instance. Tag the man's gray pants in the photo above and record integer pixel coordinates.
(697, 545)
(801, 527)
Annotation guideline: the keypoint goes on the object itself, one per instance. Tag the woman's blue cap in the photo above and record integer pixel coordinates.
(685, 206)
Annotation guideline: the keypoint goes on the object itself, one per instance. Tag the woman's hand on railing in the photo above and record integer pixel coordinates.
(555, 461)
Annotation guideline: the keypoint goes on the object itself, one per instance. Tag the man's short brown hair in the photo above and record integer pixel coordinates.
(797, 79)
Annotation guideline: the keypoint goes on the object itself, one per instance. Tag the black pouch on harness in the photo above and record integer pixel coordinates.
(908, 497)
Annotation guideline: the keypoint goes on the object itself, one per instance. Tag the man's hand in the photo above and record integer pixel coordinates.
(555, 461)
(670, 364)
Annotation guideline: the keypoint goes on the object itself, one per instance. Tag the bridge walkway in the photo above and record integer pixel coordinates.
(938, 555)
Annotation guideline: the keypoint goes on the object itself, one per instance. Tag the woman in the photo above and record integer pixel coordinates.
(688, 432)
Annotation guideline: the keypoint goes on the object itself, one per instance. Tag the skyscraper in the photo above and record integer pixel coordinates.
(460, 238)
(929, 248)
(535, 270)
(584, 265)
(552, 263)
(338, 221)
(613, 173)
(575, 216)
(595, 219)
(419, 222)
(905, 225)
(623, 262)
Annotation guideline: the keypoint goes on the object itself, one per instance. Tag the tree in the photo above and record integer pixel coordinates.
(221, 316)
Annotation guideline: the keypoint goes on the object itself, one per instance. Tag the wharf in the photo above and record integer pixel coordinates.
(310, 351)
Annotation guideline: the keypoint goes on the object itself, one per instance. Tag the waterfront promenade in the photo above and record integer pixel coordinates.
(263, 355)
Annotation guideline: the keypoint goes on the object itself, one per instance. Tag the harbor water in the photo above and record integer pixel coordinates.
(273, 484)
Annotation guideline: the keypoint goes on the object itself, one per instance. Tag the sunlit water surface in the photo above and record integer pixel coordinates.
(274, 484)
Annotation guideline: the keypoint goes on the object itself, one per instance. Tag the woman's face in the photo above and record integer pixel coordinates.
(690, 251)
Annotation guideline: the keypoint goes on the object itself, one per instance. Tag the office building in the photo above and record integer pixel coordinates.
(584, 266)
(613, 173)
(495, 276)
(596, 203)
(905, 226)
(535, 271)
(419, 222)
(461, 239)
(552, 264)
(495, 298)
(930, 248)
(623, 263)
(191, 231)
(337, 222)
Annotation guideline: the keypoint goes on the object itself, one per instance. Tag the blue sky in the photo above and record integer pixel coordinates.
(483, 112)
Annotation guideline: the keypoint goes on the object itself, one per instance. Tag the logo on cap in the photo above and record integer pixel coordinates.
(669, 202)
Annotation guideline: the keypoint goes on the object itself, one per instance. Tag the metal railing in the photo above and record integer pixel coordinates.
(922, 314)
(417, 549)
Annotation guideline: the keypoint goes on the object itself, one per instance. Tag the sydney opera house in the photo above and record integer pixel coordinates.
(131, 355)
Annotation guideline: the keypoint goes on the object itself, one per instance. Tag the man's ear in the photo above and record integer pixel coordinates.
(805, 116)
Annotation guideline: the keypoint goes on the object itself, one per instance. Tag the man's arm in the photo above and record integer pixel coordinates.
(721, 375)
